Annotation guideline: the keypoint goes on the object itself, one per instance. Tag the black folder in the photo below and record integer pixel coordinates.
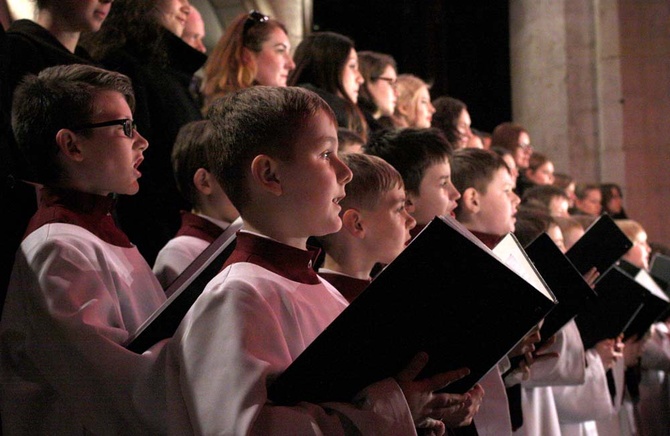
(656, 305)
(618, 302)
(183, 292)
(659, 268)
(567, 284)
(446, 294)
(601, 246)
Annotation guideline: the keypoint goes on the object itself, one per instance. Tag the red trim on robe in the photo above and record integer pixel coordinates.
(198, 227)
(289, 262)
(349, 287)
(89, 211)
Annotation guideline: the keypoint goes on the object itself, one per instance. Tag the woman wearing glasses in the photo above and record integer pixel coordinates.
(515, 138)
(255, 50)
(142, 39)
(327, 63)
(377, 97)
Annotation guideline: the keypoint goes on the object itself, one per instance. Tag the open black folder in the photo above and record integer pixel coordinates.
(446, 294)
(656, 304)
(619, 300)
(183, 292)
(601, 246)
(567, 284)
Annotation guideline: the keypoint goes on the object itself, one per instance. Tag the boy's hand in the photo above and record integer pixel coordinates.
(609, 351)
(527, 344)
(591, 276)
(429, 408)
(463, 413)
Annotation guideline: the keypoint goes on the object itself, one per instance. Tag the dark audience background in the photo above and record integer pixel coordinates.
(462, 48)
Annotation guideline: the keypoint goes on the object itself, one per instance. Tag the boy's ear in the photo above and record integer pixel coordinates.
(470, 200)
(264, 172)
(352, 221)
(201, 181)
(67, 142)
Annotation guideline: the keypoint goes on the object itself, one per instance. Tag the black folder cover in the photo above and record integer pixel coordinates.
(659, 268)
(655, 304)
(183, 292)
(567, 284)
(446, 294)
(601, 246)
(607, 316)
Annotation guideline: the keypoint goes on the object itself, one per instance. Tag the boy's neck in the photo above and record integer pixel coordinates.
(350, 265)
(273, 233)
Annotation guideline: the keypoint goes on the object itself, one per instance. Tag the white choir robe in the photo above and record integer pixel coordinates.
(246, 328)
(175, 256)
(579, 406)
(72, 300)
(537, 399)
(493, 417)
(616, 423)
(655, 386)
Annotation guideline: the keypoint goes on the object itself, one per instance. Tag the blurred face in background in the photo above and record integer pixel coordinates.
(194, 31)
(383, 91)
(173, 14)
(352, 79)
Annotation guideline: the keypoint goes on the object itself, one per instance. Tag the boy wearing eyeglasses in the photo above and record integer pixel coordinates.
(79, 287)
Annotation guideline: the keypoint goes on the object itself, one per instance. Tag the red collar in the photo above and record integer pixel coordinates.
(349, 287)
(198, 227)
(89, 211)
(289, 262)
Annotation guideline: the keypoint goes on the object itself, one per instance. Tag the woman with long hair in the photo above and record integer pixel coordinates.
(254, 50)
(327, 63)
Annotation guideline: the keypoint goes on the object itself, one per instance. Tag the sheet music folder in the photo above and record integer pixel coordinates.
(601, 246)
(570, 288)
(619, 301)
(655, 304)
(183, 292)
(446, 294)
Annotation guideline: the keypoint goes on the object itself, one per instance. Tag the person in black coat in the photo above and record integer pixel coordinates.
(143, 41)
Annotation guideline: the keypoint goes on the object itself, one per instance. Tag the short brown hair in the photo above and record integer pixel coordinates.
(58, 97)
(475, 168)
(257, 120)
(372, 178)
(189, 153)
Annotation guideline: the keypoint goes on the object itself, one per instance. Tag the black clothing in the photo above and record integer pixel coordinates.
(163, 105)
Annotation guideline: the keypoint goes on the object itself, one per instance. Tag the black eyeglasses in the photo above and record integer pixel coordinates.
(253, 18)
(129, 126)
(391, 81)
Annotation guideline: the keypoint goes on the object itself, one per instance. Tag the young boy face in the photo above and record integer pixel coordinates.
(313, 179)
(437, 194)
(108, 158)
(387, 226)
(497, 207)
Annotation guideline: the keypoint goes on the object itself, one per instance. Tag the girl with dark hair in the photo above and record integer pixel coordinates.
(378, 96)
(327, 63)
(142, 39)
(612, 200)
(255, 50)
(452, 117)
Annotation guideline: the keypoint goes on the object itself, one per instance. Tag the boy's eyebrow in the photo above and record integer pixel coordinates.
(281, 44)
